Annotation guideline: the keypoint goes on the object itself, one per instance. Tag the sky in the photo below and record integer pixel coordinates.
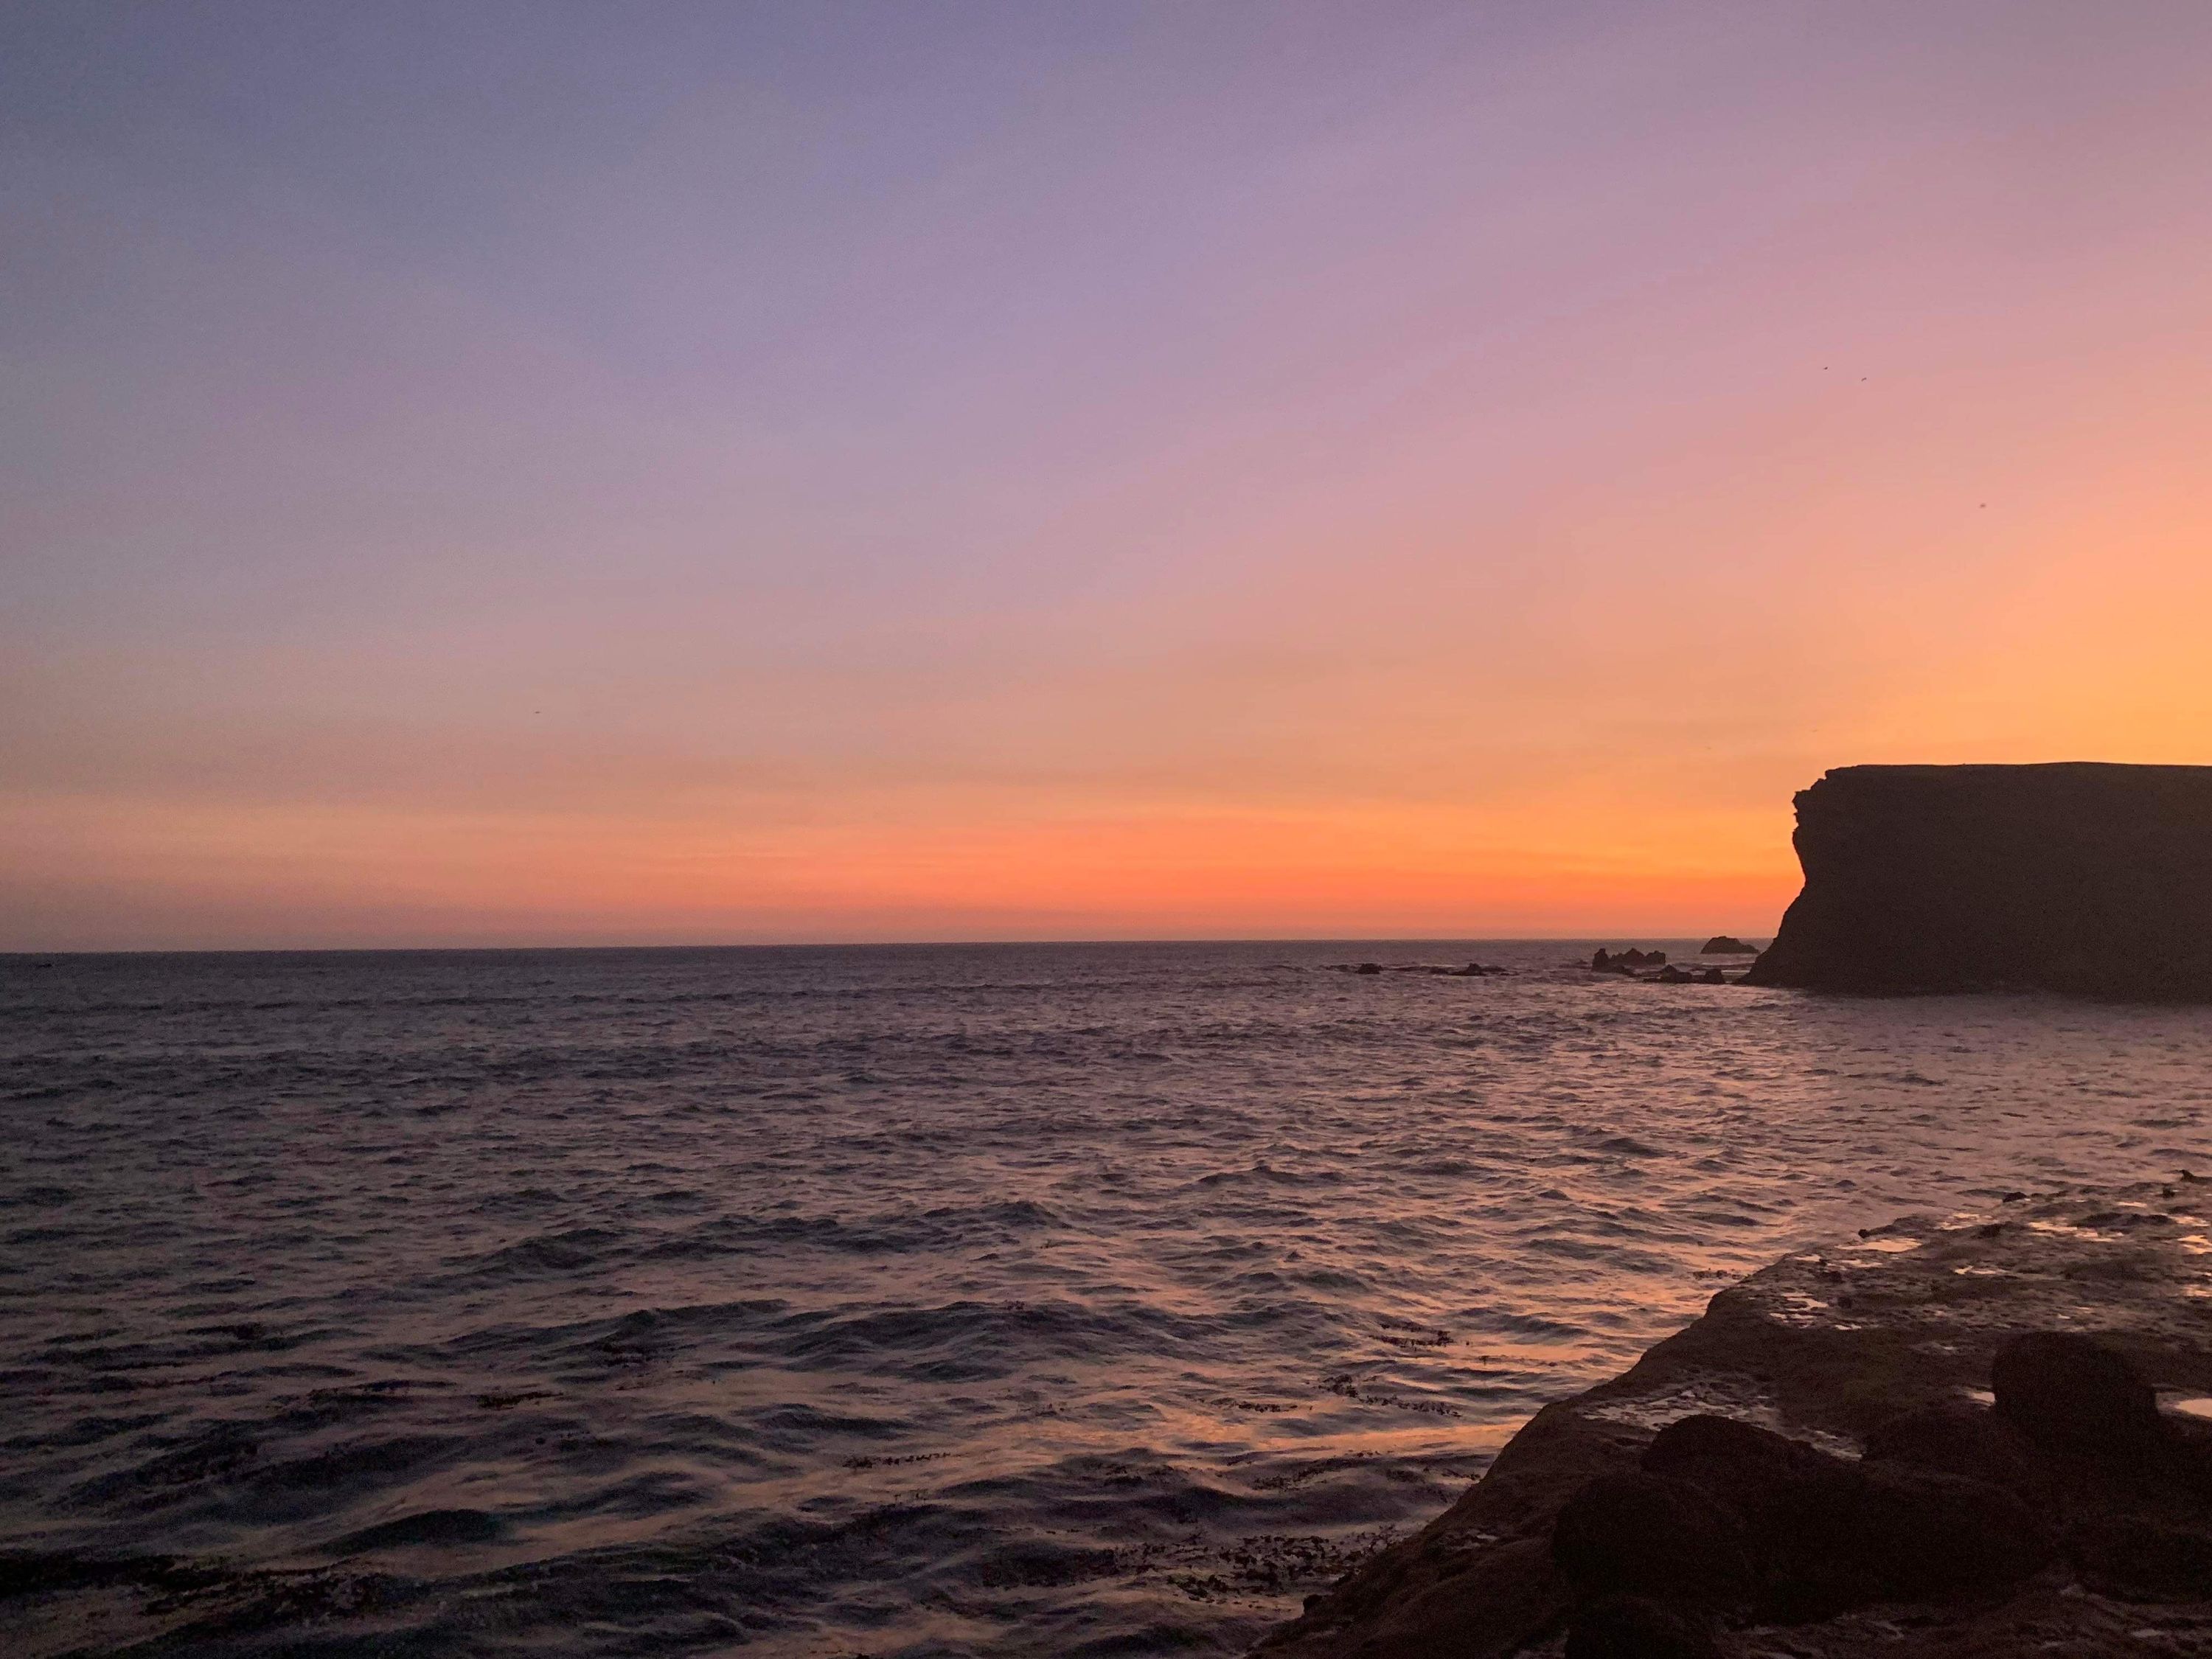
(586, 473)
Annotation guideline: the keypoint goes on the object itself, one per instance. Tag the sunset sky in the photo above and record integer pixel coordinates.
(563, 473)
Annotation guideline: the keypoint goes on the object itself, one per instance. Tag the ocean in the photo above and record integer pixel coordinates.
(902, 1301)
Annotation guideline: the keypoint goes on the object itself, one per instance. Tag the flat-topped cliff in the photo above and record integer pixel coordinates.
(2076, 877)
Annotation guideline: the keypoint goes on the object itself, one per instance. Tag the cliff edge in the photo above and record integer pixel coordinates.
(2077, 877)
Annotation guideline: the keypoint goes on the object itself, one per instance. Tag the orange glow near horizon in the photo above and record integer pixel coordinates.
(449, 880)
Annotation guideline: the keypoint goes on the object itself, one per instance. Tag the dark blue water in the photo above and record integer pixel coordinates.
(998, 1300)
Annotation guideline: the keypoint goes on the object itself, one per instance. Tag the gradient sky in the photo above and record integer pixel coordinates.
(588, 473)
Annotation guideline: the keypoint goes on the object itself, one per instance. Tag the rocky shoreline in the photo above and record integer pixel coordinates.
(1974, 1434)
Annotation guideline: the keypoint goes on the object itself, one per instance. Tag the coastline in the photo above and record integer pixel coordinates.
(1826, 1346)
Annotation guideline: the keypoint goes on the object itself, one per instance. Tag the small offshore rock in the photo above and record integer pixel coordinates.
(1728, 944)
(1626, 962)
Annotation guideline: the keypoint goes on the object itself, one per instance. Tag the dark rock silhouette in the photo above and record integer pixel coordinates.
(1754, 1471)
(1624, 961)
(1707, 1501)
(2143, 1558)
(1952, 1438)
(2070, 1393)
(1817, 1534)
(1646, 1534)
(1728, 944)
(2077, 877)
(1638, 1627)
(1473, 971)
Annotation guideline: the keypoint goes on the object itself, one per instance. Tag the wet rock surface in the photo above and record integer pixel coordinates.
(1971, 1435)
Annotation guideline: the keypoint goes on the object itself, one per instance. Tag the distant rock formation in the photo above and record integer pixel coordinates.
(1728, 944)
(2077, 877)
(1813, 1454)
(1436, 970)
(1625, 962)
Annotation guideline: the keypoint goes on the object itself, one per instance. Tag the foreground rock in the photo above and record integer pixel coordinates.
(1968, 1437)
(2080, 877)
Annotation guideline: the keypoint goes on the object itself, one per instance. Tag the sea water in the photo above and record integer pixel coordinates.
(995, 1300)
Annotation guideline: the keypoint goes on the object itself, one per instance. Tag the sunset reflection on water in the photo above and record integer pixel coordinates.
(956, 1294)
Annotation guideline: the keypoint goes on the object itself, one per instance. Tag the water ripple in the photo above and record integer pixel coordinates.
(924, 1302)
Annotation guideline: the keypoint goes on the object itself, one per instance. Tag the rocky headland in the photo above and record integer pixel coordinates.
(2077, 877)
(1975, 1435)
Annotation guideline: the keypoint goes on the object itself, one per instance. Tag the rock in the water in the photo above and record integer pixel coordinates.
(1728, 944)
(1712, 976)
(2077, 877)
(2071, 1393)
(1644, 1534)
(1637, 1627)
(1368, 968)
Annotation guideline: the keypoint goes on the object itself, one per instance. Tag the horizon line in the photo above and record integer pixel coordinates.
(868, 945)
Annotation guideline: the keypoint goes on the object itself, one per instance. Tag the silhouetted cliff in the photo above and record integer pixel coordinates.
(2077, 877)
